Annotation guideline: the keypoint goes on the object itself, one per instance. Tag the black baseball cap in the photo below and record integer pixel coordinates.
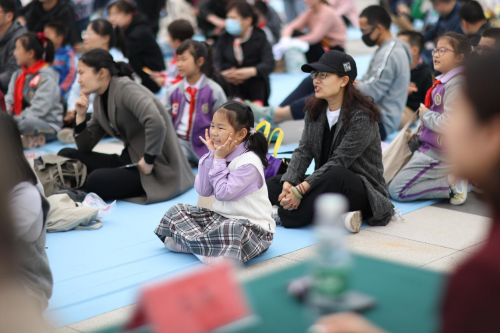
(334, 62)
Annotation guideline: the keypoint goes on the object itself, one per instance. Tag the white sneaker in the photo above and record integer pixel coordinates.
(275, 215)
(352, 221)
(459, 192)
(171, 245)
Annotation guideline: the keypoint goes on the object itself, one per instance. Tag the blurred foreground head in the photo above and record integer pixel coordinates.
(473, 138)
(18, 311)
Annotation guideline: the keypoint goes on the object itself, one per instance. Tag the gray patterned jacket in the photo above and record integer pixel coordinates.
(356, 147)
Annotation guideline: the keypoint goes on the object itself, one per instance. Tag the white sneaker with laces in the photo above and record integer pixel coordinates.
(459, 192)
(352, 221)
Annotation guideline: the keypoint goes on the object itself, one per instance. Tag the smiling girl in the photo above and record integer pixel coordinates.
(239, 226)
(427, 175)
(192, 101)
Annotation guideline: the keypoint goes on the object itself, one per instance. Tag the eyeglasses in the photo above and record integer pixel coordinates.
(441, 51)
(321, 75)
(368, 30)
(483, 49)
(86, 34)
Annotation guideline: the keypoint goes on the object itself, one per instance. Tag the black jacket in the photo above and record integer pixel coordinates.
(8, 64)
(63, 12)
(152, 9)
(207, 7)
(257, 52)
(143, 51)
(422, 78)
(356, 147)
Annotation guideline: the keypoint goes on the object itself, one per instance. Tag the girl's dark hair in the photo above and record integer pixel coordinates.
(43, 51)
(105, 28)
(353, 100)
(99, 59)
(460, 44)
(482, 79)
(10, 137)
(241, 116)
(124, 6)
(199, 50)
(244, 9)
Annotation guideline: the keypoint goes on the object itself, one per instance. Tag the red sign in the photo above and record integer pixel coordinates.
(200, 301)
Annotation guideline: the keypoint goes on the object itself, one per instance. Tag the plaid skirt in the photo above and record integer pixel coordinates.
(206, 233)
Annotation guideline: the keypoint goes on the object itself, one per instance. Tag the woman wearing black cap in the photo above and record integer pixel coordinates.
(341, 134)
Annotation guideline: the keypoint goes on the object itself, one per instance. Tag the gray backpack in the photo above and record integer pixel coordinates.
(59, 173)
(65, 215)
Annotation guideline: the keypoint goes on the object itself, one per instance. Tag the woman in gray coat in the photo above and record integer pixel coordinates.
(152, 167)
(341, 134)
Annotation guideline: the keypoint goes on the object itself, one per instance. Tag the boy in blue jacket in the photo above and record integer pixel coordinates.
(64, 60)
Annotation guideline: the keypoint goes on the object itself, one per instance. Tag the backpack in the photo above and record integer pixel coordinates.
(65, 215)
(58, 173)
(400, 151)
(276, 166)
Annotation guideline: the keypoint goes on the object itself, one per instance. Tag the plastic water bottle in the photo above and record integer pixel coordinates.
(331, 268)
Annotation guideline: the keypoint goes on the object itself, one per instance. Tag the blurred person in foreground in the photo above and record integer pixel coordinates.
(472, 295)
(25, 276)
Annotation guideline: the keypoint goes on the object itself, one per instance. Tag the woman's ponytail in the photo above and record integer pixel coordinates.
(99, 59)
(123, 69)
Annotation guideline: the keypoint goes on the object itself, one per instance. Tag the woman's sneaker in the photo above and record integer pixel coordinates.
(275, 215)
(352, 221)
(459, 192)
(171, 245)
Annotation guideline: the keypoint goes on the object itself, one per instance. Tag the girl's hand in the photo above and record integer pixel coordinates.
(227, 148)
(422, 110)
(159, 78)
(145, 168)
(208, 141)
(81, 107)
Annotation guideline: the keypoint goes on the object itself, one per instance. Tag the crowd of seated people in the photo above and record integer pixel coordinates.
(78, 71)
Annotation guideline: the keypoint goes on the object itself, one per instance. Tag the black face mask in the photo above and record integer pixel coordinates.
(368, 41)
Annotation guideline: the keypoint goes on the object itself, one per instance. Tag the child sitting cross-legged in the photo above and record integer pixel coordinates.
(240, 225)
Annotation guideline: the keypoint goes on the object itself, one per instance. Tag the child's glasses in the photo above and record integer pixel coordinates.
(322, 75)
(441, 51)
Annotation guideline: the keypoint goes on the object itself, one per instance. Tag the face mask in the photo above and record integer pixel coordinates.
(233, 27)
(368, 41)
